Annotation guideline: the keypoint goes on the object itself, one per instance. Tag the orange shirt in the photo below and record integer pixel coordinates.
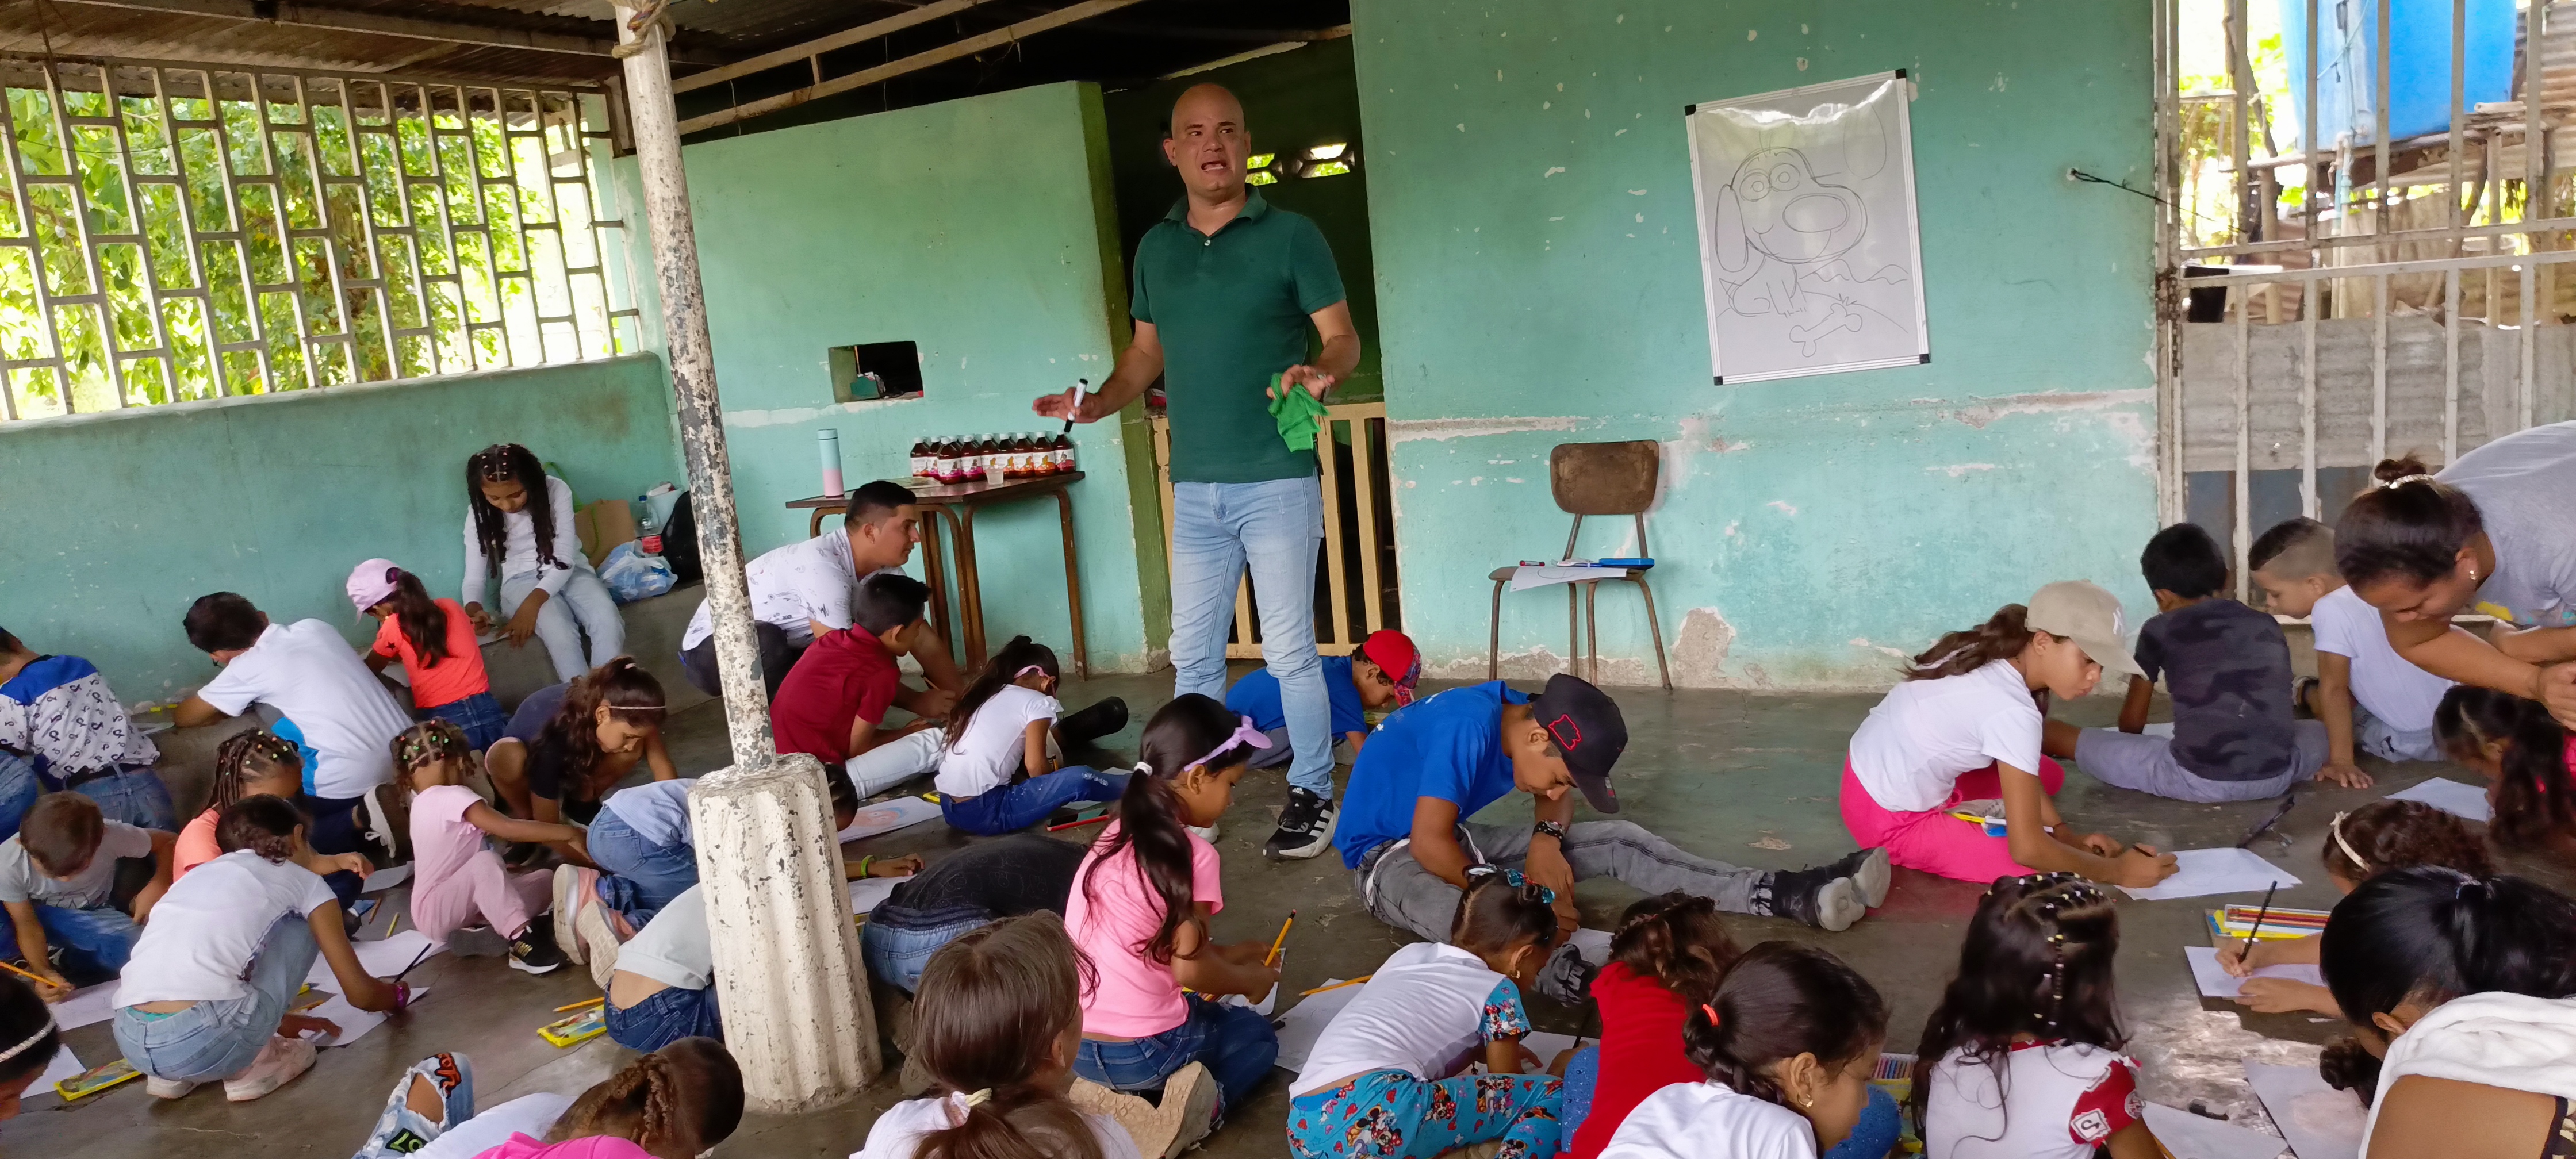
(456, 676)
(196, 845)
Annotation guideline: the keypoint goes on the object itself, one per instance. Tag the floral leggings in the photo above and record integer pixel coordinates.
(1388, 1113)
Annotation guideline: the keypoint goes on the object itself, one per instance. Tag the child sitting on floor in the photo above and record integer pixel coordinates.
(998, 1024)
(2376, 838)
(567, 744)
(1963, 729)
(2228, 668)
(2370, 699)
(1786, 1050)
(675, 1103)
(250, 763)
(1666, 957)
(1139, 910)
(456, 879)
(519, 528)
(998, 775)
(434, 642)
(1376, 677)
(2021, 1058)
(205, 996)
(1388, 1075)
(60, 712)
(973, 887)
(2529, 763)
(661, 987)
(74, 876)
(833, 702)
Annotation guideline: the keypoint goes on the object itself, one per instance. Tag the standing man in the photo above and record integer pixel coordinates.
(1224, 290)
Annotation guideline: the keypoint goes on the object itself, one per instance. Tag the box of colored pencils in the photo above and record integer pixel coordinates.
(2236, 921)
(576, 1029)
(96, 1079)
(1895, 1075)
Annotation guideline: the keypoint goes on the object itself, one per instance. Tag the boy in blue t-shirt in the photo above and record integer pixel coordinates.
(1437, 762)
(1380, 674)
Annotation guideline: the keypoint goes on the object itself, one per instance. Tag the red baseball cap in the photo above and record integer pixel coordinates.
(1393, 652)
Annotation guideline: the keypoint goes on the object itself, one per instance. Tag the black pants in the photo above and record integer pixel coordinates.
(777, 655)
(1090, 724)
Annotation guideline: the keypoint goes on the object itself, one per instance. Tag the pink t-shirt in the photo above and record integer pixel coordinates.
(196, 845)
(1133, 995)
(593, 1147)
(442, 840)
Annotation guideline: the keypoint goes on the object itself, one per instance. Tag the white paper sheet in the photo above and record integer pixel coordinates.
(867, 893)
(1305, 1022)
(1594, 945)
(2190, 1136)
(2319, 1121)
(353, 1022)
(64, 1066)
(887, 816)
(1526, 577)
(1548, 1044)
(2451, 797)
(2203, 872)
(381, 958)
(90, 1004)
(384, 879)
(2215, 982)
(1268, 1001)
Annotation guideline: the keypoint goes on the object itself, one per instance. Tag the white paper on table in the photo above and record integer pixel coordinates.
(887, 816)
(381, 958)
(1305, 1022)
(353, 1022)
(2190, 1136)
(2319, 1121)
(2215, 982)
(64, 1066)
(384, 879)
(2450, 797)
(867, 893)
(2201, 872)
(1525, 577)
(1594, 945)
(87, 1005)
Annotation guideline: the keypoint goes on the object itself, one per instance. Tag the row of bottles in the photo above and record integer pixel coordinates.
(992, 458)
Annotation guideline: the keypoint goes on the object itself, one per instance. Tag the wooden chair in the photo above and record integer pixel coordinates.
(1594, 479)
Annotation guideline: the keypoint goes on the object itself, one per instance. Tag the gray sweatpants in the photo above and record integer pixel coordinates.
(2374, 736)
(1401, 893)
(2145, 762)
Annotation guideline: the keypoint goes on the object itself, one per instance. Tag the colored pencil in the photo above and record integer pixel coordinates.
(416, 960)
(1336, 985)
(1281, 940)
(2259, 915)
(584, 1004)
(24, 974)
(1079, 824)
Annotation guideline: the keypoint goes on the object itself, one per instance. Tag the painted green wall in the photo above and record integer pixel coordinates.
(979, 230)
(117, 521)
(1539, 282)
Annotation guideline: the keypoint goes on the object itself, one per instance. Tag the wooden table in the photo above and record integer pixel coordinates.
(956, 503)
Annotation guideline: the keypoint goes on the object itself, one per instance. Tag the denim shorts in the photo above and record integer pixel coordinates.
(218, 1038)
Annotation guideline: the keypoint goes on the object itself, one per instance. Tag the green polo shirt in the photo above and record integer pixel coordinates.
(1231, 311)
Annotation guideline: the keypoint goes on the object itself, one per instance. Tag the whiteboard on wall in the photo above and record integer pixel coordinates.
(1810, 254)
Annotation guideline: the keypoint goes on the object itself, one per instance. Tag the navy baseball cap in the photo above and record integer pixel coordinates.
(1587, 728)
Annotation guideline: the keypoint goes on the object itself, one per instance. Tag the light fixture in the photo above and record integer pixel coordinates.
(1327, 152)
(1328, 169)
(1260, 160)
(1261, 177)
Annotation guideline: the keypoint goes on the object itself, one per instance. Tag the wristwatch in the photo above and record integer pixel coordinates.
(1550, 829)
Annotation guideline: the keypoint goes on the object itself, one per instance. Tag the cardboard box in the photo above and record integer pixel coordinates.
(602, 526)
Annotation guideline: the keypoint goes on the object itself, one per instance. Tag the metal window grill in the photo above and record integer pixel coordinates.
(2363, 288)
(177, 231)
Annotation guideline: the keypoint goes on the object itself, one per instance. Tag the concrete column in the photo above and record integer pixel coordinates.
(788, 977)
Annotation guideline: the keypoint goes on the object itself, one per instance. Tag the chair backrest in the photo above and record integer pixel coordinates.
(1605, 478)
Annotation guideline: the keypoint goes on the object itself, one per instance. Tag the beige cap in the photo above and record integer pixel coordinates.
(2088, 615)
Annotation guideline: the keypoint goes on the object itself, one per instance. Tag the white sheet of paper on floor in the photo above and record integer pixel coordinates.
(2320, 1121)
(386, 878)
(887, 816)
(2203, 872)
(87, 1005)
(64, 1066)
(1594, 945)
(353, 1022)
(1305, 1022)
(867, 893)
(1548, 1044)
(2162, 728)
(1268, 1001)
(2450, 796)
(2215, 982)
(2190, 1136)
(381, 958)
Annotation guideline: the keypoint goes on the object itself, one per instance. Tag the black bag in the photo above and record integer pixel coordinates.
(680, 544)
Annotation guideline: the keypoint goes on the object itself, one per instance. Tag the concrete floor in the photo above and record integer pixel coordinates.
(1738, 777)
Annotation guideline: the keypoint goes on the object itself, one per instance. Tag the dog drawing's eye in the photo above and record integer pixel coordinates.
(1784, 178)
(1755, 188)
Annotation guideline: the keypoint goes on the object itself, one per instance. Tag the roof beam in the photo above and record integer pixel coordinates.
(814, 48)
(914, 63)
(409, 27)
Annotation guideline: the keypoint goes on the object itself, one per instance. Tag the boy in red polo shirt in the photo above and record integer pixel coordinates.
(833, 703)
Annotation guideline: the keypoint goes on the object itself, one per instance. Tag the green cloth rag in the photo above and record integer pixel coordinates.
(1298, 412)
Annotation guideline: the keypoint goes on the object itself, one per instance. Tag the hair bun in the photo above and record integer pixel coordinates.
(2391, 470)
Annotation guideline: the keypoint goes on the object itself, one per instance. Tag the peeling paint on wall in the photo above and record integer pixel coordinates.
(1984, 412)
(1417, 430)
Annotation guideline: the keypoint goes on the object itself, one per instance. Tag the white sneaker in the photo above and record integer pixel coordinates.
(278, 1064)
(568, 896)
(1207, 833)
(167, 1088)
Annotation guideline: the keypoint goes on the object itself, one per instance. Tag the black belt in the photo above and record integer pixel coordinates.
(76, 780)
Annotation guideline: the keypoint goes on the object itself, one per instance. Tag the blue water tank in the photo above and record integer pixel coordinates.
(2419, 65)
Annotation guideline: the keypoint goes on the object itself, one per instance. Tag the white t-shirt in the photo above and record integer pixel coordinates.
(811, 580)
(2063, 1101)
(1711, 1121)
(2400, 694)
(529, 1115)
(1424, 1012)
(658, 811)
(898, 1132)
(993, 744)
(519, 547)
(207, 929)
(674, 948)
(314, 678)
(2522, 484)
(1919, 739)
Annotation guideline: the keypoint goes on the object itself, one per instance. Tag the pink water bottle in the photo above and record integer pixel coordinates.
(828, 442)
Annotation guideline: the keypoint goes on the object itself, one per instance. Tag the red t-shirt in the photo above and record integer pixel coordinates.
(1641, 1052)
(846, 676)
(458, 674)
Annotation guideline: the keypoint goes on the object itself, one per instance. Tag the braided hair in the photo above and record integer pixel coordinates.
(509, 463)
(1676, 939)
(1782, 1000)
(426, 742)
(245, 756)
(2036, 961)
(675, 1102)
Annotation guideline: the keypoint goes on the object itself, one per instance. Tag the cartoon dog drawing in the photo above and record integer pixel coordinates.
(1777, 219)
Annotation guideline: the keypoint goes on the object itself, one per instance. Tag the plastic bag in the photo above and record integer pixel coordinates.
(632, 575)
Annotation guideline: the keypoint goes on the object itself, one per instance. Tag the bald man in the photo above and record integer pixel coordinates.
(1226, 288)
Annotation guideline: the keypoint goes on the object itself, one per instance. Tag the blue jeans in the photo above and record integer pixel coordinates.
(135, 796)
(19, 788)
(897, 943)
(213, 1040)
(1012, 808)
(479, 715)
(1275, 528)
(636, 877)
(581, 608)
(665, 1018)
(1235, 1042)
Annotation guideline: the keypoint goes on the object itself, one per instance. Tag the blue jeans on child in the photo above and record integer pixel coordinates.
(1012, 808)
(1235, 1042)
(134, 795)
(1390, 1113)
(636, 877)
(1274, 529)
(213, 1040)
(665, 1018)
(400, 1130)
(897, 943)
(581, 607)
(479, 715)
(19, 788)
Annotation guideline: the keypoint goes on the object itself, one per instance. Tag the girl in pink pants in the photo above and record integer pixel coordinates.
(457, 880)
(1962, 733)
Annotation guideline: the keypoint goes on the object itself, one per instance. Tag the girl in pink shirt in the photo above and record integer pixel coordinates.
(1139, 910)
(456, 879)
(248, 764)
